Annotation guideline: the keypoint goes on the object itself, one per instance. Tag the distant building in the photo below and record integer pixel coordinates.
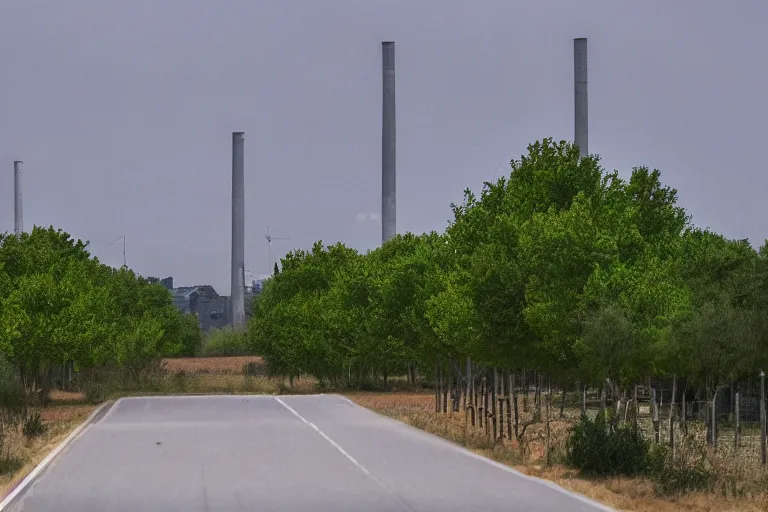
(210, 307)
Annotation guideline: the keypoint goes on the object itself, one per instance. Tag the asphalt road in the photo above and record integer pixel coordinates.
(295, 453)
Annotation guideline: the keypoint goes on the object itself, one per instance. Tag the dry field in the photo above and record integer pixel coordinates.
(417, 409)
(210, 365)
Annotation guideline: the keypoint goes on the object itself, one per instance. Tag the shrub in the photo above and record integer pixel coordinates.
(601, 448)
(254, 368)
(8, 463)
(224, 342)
(33, 425)
(685, 470)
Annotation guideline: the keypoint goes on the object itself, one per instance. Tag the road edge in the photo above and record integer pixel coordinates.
(9, 498)
(509, 469)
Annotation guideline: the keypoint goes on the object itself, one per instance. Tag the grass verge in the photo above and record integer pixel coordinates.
(60, 418)
(529, 457)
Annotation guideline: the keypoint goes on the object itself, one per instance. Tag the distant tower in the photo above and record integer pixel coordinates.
(581, 105)
(388, 140)
(237, 294)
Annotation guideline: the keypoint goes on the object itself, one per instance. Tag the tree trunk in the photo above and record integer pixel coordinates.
(525, 390)
(437, 387)
(468, 397)
(562, 404)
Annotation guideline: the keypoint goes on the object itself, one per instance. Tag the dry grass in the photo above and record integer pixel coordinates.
(217, 365)
(417, 409)
(60, 419)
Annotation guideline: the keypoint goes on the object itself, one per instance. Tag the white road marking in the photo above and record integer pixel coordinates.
(347, 455)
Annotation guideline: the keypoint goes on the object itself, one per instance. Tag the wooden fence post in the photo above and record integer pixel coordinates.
(468, 396)
(714, 419)
(672, 414)
(683, 412)
(547, 405)
(636, 405)
(493, 401)
(736, 441)
(655, 416)
(525, 390)
(437, 387)
(762, 417)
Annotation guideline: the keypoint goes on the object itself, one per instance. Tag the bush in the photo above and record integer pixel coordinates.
(686, 470)
(224, 342)
(601, 448)
(33, 425)
(8, 463)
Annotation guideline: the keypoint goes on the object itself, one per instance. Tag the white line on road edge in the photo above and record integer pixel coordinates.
(333, 443)
(453, 446)
(47, 460)
(344, 453)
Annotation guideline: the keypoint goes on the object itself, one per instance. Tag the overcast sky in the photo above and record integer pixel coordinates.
(123, 112)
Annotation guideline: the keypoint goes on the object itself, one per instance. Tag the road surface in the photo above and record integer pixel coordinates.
(291, 453)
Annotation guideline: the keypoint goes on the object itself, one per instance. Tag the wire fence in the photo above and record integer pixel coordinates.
(725, 418)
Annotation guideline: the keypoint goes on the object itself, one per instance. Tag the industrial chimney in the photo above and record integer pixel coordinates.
(18, 222)
(388, 188)
(581, 106)
(237, 293)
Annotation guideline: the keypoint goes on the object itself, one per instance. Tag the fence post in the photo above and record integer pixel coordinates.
(672, 414)
(547, 405)
(525, 390)
(636, 405)
(655, 416)
(468, 396)
(493, 401)
(714, 419)
(437, 387)
(481, 412)
(736, 419)
(683, 411)
(762, 416)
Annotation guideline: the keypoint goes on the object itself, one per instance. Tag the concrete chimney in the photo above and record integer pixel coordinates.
(18, 221)
(237, 294)
(581, 106)
(388, 139)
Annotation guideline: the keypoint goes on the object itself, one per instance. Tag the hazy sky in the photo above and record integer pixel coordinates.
(123, 111)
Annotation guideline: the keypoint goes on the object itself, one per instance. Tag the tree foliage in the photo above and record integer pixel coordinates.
(560, 266)
(59, 305)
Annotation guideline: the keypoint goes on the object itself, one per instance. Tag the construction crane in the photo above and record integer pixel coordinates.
(269, 246)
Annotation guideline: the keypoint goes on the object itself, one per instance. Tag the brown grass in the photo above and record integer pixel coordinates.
(60, 419)
(217, 365)
(638, 494)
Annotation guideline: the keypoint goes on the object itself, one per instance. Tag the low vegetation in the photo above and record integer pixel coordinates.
(694, 479)
(224, 342)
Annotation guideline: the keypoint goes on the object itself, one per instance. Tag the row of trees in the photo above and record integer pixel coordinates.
(560, 267)
(59, 307)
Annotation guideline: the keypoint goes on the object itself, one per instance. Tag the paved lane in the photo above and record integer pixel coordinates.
(295, 453)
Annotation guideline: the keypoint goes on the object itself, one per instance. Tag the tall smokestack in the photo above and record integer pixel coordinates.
(388, 139)
(237, 294)
(581, 106)
(18, 222)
